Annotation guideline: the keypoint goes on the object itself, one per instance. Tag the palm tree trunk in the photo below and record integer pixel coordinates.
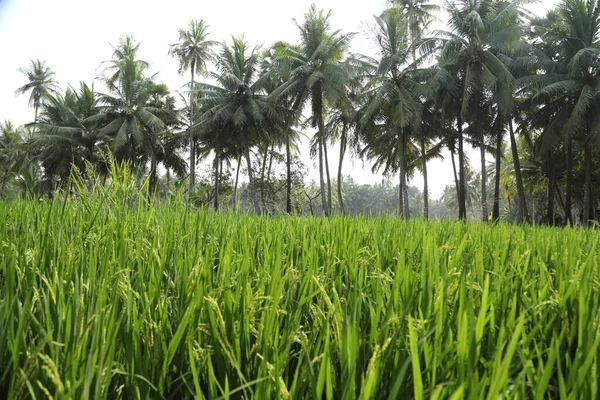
(269, 169)
(403, 190)
(326, 158)
(425, 183)
(321, 133)
(518, 177)
(551, 184)
(405, 193)
(251, 182)
(153, 181)
(262, 174)
(288, 155)
(191, 136)
(559, 196)
(456, 183)
(484, 209)
(339, 180)
(235, 186)
(322, 180)
(462, 205)
(587, 196)
(400, 196)
(288, 178)
(217, 179)
(496, 209)
(568, 204)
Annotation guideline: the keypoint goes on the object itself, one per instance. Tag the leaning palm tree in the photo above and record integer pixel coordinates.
(40, 84)
(315, 75)
(236, 106)
(193, 52)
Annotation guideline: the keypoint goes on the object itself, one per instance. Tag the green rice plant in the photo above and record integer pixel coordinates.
(110, 293)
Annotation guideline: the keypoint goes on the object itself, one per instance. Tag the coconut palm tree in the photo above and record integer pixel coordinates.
(547, 38)
(40, 84)
(315, 75)
(193, 51)
(575, 84)
(237, 110)
(393, 107)
(445, 87)
(64, 139)
(287, 107)
(480, 31)
(124, 52)
(419, 14)
(342, 123)
(127, 116)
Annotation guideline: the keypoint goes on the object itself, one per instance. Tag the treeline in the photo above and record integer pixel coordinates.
(523, 89)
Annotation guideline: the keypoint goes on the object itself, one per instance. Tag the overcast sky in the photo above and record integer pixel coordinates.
(74, 37)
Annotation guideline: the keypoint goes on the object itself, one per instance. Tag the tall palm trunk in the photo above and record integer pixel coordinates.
(263, 170)
(217, 179)
(318, 113)
(269, 169)
(496, 209)
(400, 196)
(425, 183)
(587, 195)
(288, 178)
(153, 181)
(339, 178)
(518, 176)
(326, 159)
(415, 36)
(191, 135)
(568, 203)
(551, 184)
(235, 186)
(484, 209)
(462, 182)
(403, 190)
(251, 182)
(288, 156)
(322, 180)
(456, 183)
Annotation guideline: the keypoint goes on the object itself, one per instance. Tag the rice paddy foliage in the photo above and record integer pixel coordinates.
(109, 295)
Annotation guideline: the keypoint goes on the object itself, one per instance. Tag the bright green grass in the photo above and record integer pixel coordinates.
(105, 296)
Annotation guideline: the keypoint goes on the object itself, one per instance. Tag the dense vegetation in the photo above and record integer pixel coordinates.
(495, 70)
(113, 294)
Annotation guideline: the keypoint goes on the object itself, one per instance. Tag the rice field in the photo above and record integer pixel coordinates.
(107, 295)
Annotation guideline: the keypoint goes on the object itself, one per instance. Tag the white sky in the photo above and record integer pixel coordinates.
(73, 37)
